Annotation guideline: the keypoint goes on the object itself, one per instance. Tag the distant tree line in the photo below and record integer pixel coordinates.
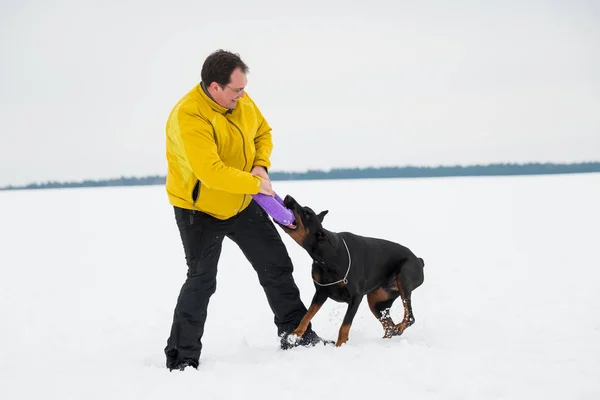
(441, 171)
(122, 181)
(357, 173)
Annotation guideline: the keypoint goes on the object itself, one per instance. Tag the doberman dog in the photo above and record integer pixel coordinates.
(346, 267)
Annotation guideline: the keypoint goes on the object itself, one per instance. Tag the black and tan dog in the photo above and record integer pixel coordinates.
(346, 267)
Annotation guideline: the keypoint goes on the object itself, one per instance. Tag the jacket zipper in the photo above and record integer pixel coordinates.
(245, 156)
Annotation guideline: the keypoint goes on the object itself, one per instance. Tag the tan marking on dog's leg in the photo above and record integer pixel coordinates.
(384, 318)
(388, 325)
(399, 328)
(408, 319)
(312, 310)
(343, 335)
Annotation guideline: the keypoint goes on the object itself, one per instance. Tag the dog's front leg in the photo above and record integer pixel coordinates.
(348, 318)
(317, 301)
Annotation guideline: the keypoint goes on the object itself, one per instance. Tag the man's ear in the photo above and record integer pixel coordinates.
(322, 215)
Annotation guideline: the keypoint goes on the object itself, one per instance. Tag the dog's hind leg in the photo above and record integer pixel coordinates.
(408, 320)
(408, 278)
(380, 302)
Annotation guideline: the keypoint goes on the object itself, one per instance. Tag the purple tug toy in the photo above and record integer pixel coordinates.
(275, 208)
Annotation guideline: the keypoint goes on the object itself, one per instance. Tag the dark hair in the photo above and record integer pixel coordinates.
(219, 66)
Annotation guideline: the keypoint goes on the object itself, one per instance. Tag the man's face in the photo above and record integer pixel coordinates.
(228, 95)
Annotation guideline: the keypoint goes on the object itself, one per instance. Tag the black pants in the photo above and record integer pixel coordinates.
(259, 240)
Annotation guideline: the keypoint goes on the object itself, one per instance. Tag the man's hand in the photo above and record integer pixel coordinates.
(265, 187)
(260, 171)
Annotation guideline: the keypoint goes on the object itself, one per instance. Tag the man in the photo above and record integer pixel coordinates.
(218, 152)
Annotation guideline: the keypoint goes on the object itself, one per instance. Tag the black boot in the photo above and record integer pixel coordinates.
(182, 365)
(309, 339)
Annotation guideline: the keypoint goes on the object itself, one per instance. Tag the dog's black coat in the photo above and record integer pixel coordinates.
(378, 268)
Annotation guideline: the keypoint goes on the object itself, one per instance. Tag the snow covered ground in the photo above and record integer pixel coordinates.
(510, 307)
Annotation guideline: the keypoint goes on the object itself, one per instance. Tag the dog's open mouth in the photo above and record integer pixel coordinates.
(292, 226)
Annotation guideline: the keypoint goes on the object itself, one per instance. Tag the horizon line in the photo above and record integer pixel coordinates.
(86, 182)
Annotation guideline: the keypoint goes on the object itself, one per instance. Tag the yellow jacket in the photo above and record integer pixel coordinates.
(211, 151)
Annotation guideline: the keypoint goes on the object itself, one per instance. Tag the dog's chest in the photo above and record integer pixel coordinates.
(339, 293)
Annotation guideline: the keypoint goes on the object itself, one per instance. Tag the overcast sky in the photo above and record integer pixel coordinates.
(86, 86)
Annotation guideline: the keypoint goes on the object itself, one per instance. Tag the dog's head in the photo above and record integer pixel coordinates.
(308, 226)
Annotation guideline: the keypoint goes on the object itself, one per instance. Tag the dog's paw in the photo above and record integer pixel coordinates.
(293, 338)
(298, 332)
(400, 328)
(388, 333)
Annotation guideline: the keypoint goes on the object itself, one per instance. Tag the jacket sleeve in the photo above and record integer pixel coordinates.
(201, 150)
(263, 142)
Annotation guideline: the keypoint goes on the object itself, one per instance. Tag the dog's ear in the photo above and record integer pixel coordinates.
(322, 215)
(321, 235)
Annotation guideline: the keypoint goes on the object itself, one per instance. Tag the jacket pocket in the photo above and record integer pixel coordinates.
(195, 196)
(196, 192)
